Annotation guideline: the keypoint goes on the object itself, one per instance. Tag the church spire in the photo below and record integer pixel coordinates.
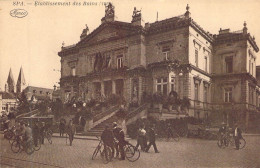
(10, 82)
(20, 81)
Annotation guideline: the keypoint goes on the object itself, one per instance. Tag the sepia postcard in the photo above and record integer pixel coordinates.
(129, 83)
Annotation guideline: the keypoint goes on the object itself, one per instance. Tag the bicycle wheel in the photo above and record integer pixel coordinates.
(29, 148)
(107, 158)
(15, 147)
(183, 132)
(176, 137)
(49, 136)
(12, 139)
(96, 152)
(8, 135)
(135, 155)
(129, 151)
(242, 143)
(221, 143)
(38, 146)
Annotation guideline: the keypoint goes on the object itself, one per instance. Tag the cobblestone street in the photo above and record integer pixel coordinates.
(186, 153)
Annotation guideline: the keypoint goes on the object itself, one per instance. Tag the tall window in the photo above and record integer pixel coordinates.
(161, 85)
(252, 68)
(228, 94)
(249, 66)
(229, 64)
(205, 93)
(196, 57)
(206, 64)
(251, 95)
(172, 82)
(119, 61)
(166, 52)
(196, 90)
(73, 71)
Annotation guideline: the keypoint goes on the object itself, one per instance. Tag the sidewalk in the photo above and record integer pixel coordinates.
(76, 136)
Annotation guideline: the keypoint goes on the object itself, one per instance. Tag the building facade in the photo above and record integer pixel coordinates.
(176, 54)
(37, 93)
(8, 102)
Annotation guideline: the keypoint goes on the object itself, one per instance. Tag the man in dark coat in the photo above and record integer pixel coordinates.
(36, 133)
(237, 136)
(71, 130)
(42, 131)
(222, 133)
(151, 136)
(120, 137)
(62, 126)
(108, 140)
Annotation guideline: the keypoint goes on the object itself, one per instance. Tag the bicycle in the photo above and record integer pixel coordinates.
(48, 135)
(132, 154)
(19, 144)
(228, 140)
(9, 133)
(102, 152)
(173, 135)
(38, 146)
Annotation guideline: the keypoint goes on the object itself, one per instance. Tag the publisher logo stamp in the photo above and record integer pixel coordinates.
(18, 13)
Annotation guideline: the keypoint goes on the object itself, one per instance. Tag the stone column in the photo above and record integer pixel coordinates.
(140, 89)
(102, 88)
(113, 87)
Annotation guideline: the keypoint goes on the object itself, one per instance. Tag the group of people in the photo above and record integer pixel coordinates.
(144, 135)
(236, 131)
(30, 133)
(115, 139)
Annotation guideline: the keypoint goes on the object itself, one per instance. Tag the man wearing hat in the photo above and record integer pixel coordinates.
(71, 130)
(120, 136)
(222, 133)
(237, 136)
(108, 140)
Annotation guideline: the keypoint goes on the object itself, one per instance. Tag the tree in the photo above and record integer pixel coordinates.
(57, 107)
(24, 105)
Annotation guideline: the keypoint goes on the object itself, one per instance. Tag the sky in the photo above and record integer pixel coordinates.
(34, 41)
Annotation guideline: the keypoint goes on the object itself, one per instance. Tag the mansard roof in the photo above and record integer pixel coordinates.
(175, 23)
(235, 36)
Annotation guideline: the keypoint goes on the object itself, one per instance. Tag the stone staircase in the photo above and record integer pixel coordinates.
(100, 126)
(98, 129)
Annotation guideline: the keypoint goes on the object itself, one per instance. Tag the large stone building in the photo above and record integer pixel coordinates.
(216, 72)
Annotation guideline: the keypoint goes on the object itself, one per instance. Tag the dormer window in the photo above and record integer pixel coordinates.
(166, 52)
(119, 61)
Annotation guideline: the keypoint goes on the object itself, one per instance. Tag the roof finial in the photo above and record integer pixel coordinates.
(63, 44)
(245, 28)
(187, 13)
(187, 7)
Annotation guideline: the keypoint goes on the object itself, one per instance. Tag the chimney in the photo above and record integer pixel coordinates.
(224, 31)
